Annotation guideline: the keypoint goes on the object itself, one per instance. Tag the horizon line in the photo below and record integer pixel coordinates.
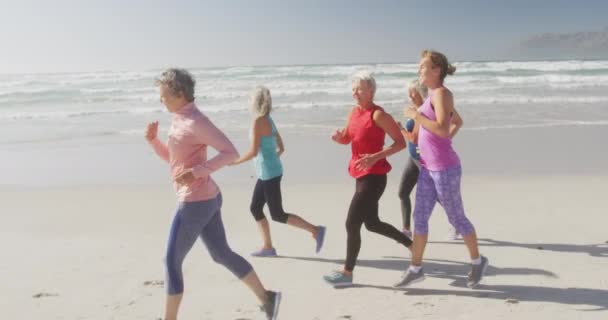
(290, 65)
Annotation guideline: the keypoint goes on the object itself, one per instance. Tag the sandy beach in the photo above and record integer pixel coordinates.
(87, 205)
(94, 251)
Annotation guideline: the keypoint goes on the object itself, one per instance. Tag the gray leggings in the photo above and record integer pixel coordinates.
(406, 186)
(199, 219)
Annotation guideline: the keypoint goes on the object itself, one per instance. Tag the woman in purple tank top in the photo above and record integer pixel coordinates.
(440, 172)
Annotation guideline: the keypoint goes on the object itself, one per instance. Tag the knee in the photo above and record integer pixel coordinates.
(254, 207)
(462, 225)
(257, 212)
(372, 226)
(278, 215)
(403, 194)
(171, 262)
(352, 226)
(220, 256)
(258, 215)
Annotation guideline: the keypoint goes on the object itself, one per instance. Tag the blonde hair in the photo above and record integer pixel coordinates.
(261, 101)
(439, 60)
(416, 85)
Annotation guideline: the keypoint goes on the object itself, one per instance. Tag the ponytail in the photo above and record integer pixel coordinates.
(440, 60)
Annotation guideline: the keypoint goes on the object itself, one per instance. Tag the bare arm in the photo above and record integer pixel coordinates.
(410, 137)
(255, 143)
(386, 123)
(280, 145)
(341, 135)
(444, 105)
(456, 123)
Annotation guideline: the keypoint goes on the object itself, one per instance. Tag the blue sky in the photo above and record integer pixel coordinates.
(88, 35)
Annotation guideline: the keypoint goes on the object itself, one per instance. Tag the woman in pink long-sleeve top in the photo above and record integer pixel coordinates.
(200, 200)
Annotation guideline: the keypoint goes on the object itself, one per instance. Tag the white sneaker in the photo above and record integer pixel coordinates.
(453, 234)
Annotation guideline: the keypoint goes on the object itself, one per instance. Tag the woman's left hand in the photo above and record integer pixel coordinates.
(185, 178)
(365, 162)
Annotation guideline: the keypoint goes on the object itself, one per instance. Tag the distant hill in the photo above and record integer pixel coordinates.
(579, 45)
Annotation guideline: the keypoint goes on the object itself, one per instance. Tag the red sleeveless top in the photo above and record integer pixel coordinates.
(366, 138)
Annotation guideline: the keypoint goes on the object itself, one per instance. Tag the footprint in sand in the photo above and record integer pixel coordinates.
(154, 283)
(424, 304)
(44, 295)
(512, 301)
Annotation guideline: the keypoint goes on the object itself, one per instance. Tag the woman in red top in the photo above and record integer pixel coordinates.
(365, 130)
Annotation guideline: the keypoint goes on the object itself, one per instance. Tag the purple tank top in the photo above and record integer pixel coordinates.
(436, 153)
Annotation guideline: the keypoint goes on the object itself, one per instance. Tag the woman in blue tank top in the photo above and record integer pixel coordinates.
(266, 149)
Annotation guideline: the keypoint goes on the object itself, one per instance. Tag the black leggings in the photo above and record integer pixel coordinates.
(268, 192)
(408, 182)
(364, 210)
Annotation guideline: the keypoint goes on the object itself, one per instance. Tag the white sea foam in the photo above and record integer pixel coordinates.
(488, 92)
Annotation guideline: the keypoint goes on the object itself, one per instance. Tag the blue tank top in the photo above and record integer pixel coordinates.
(267, 162)
(412, 148)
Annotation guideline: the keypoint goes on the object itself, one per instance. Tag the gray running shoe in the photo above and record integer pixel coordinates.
(477, 272)
(409, 277)
(338, 279)
(271, 307)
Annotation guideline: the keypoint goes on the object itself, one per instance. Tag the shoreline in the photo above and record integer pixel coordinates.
(310, 157)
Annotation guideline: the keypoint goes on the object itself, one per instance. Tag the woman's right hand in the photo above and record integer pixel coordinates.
(338, 135)
(152, 131)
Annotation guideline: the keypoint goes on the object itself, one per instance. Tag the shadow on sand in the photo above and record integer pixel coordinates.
(457, 271)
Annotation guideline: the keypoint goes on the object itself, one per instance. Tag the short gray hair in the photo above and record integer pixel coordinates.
(179, 81)
(416, 85)
(261, 101)
(364, 76)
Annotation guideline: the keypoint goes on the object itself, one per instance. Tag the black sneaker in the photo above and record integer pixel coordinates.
(271, 307)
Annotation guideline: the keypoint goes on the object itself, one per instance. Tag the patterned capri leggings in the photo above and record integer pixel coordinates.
(443, 187)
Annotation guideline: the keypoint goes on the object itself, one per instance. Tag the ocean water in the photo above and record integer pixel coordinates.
(36, 107)
(94, 116)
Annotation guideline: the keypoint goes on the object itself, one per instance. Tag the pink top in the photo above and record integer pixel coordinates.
(366, 138)
(190, 134)
(436, 153)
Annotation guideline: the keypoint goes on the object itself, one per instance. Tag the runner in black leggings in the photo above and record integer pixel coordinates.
(417, 94)
(365, 131)
(364, 210)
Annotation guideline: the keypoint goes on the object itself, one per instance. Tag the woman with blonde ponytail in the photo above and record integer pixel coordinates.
(440, 172)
